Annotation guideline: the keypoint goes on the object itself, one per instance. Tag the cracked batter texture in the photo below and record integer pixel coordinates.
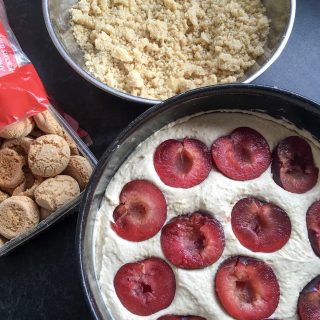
(158, 48)
(294, 265)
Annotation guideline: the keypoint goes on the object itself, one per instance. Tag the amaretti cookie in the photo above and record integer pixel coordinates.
(11, 163)
(55, 192)
(44, 213)
(48, 156)
(80, 169)
(2, 241)
(33, 154)
(31, 183)
(20, 145)
(18, 129)
(3, 196)
(47, 123)
(17, 215)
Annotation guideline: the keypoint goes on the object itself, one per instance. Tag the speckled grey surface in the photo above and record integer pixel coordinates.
(40, 280)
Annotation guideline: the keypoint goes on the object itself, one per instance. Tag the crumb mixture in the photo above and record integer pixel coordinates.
(158, 48)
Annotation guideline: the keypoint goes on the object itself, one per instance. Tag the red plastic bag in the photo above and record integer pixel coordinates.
(22, 93)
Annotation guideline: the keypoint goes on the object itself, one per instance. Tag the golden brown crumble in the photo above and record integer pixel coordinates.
(158, 48)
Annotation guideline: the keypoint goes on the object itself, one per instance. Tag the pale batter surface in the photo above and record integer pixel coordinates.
(294, 265)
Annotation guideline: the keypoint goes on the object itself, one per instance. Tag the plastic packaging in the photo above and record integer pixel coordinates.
(21, 91)
(22, 95)
(61, 212)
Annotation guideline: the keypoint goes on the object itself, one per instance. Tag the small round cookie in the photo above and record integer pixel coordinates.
(32, 183)
(44, 213)
(17, 215)
(17, 129)
(19, 189)
(20, 145)
(48, 156)
(80, 169)
(11, 163)
(3, 241)
(55, 192)
(73, 147)
(3, 196)
(27, 187)
(46, 122)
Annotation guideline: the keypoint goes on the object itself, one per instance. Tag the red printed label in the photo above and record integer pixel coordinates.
(8, 62)
(21, 95)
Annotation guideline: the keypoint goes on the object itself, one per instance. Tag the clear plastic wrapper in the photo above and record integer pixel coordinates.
(21, 91)
(23, 96)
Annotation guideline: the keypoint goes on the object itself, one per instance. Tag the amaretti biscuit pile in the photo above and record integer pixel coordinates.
(40, 171)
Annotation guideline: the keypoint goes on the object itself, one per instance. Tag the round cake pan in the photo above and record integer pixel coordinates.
(57, 19)
(303, 113)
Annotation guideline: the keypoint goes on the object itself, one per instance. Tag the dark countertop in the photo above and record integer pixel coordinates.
(40, 280)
